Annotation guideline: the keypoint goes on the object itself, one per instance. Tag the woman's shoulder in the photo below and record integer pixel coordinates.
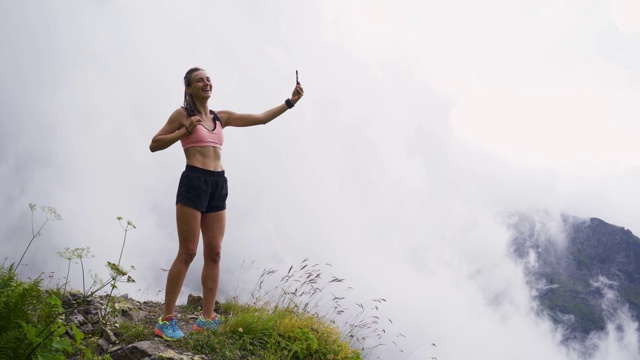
(177, 116)
(179, 112)
(223, 115)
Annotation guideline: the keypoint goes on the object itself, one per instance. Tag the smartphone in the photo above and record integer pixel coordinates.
(297, 82)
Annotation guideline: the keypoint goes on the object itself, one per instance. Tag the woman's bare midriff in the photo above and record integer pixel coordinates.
(204, 157)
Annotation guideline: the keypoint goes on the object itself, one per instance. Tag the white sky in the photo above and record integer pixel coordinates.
(421, 126)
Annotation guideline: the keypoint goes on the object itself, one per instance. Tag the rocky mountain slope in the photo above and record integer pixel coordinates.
(111, 340)
(585, 273)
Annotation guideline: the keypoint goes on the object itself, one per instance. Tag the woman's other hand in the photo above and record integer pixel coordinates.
(192, 122)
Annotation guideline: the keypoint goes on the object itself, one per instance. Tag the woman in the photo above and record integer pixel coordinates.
(202, 191)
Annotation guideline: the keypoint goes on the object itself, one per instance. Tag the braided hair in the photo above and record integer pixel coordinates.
(189, 105)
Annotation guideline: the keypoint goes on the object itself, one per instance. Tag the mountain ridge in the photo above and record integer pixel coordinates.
(584, 273)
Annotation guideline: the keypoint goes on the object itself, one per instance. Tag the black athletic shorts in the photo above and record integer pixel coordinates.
(202, 189)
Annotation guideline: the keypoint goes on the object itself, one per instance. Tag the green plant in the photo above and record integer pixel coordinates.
(294, 316)
(305, 336)
(250, 332)
(45, 336)
(75, 254)
(26, 311)
(116, 274)
(129, 333)
(303, 290)
(29, 314)
(50, 214)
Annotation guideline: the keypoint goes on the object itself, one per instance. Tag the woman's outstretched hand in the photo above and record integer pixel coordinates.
(297, 94)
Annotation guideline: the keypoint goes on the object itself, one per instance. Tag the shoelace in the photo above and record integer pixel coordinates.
(215, 321)
(174, 325)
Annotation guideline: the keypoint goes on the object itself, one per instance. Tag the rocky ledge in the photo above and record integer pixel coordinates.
(87, 312)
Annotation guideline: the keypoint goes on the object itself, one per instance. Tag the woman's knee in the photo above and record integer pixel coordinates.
(187, 255)
(213, 256)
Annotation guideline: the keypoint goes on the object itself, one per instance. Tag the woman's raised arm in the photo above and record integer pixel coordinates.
(230, 118)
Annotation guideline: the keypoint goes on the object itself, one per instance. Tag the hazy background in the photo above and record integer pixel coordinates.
(422, 127)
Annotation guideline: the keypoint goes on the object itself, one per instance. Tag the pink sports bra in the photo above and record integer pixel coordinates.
(201, 136)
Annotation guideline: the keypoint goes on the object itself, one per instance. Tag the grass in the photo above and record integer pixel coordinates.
(259, 333)
(284, 317)
(293, 316)
(570, 298)
(631, 295)
(304, 289)
(129, 332)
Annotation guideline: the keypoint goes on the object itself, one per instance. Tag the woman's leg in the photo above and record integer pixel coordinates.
(188, 221)
(213, 225)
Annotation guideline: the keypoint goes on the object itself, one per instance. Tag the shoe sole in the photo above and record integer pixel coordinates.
(198, 328)
(162, 335)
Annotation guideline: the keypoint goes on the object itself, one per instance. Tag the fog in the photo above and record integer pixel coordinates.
(422, 127)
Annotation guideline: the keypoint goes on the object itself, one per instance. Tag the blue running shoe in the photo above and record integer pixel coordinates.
(168, 329)
(203, 324)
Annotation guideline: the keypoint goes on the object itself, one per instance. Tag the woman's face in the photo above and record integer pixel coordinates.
(201, 86)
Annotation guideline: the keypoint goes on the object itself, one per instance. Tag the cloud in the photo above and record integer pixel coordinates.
(557, 126)
(421, 125)
(555, 13)
(626, 15)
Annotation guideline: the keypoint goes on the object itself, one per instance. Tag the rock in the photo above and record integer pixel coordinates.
(570, 266)
(104, 345)
(77, 319)
(138, 312)
(108, 335)
(195, 301)
(114, 348)
(71, 298)
(151, 350)
(86, 328)
(86, 316)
